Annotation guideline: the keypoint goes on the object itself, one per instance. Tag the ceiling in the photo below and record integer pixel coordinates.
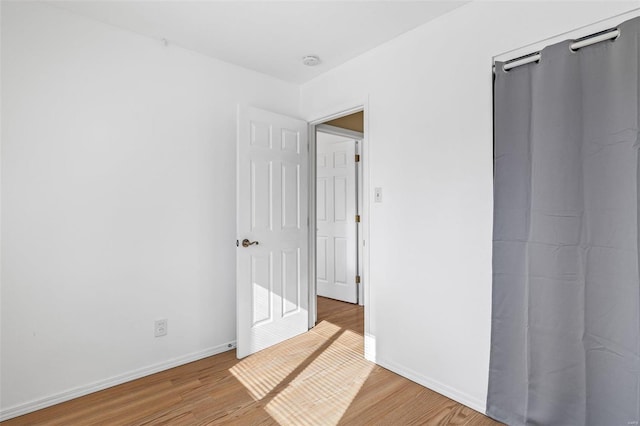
(268, 36)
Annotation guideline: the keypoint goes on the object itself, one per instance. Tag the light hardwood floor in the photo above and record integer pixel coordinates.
(318, 378)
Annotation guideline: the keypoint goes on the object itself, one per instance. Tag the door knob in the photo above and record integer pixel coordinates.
(247, 243)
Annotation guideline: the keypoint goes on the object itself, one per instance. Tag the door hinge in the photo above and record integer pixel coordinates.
(357, 158)
(357, 218)
(357, 279)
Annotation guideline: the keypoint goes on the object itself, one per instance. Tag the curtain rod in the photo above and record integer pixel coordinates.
(610, 34)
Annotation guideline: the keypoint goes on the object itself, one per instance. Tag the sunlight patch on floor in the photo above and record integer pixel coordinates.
(261, 372)
(323, 391)
(310, 379)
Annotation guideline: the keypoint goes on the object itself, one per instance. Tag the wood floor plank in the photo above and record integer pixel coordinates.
(317, 378)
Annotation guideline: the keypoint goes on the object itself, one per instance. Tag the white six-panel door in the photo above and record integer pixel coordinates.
(272, 203)
(336, 212)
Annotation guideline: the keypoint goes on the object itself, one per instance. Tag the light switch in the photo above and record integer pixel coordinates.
(377, 195)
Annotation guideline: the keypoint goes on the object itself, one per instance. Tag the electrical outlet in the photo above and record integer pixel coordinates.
(161, 327)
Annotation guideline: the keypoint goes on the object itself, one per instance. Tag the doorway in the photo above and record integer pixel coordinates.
(337, 172)
(276, 262)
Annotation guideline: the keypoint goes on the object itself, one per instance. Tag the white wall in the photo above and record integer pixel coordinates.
(430, 134)
(118, 202)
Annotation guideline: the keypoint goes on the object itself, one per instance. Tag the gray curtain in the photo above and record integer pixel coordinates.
(565, 346)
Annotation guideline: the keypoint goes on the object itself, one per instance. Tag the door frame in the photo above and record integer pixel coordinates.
(365, 152)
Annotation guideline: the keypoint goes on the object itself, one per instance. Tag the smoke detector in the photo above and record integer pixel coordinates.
(311, 60)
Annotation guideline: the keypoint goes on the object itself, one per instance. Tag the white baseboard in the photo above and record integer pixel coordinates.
(370, 348)
(38, 404)
(458, 396)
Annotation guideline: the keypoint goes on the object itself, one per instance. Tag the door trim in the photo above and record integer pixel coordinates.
(365, 150)
(338, 131)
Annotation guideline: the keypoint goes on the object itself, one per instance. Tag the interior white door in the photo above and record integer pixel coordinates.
(272, 204)
(336, 218)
